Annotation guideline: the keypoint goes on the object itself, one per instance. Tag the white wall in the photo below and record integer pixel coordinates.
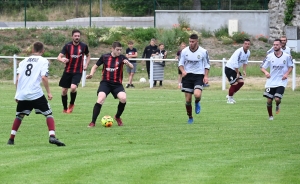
(253, 22)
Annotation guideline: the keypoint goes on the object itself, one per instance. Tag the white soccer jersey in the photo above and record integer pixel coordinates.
(286, 50)
(30, 72)
(278, 67)
(194, 62)
(238, 59)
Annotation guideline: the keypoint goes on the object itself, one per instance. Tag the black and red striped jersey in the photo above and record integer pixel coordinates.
(75, 54)
(112, 70)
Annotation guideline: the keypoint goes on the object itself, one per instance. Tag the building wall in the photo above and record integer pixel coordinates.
(253, 22)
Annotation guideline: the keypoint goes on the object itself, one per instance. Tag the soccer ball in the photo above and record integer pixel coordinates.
(107, 121)
(142, 79)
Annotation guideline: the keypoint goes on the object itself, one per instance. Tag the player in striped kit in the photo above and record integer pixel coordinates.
(74, 52)
(280, 65)
(238, 59)
(29, 95)
(194, 66)
(112, 77)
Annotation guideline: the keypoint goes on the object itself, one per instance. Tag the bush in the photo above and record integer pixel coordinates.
(222, 31)
(239, 37)
(53, 38)
(35, 15)
(141, 34)
(184, 22)
(226, 40)
(10, 50)
(205, 33)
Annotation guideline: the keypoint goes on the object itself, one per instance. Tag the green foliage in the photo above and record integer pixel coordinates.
(181, 36)
(53, 38)
(33, 15)
(239, 37)
(133, 8)
(226, 40)
(141, 34)
(9, 50)
(114, 34)
(264, 39)
(183, 22)
(222, 31)
(206, 33)
(288, 13)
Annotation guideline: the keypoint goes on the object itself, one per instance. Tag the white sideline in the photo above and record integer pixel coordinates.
(223, 61)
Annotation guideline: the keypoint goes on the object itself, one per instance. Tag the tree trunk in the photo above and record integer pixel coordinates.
(197, 4)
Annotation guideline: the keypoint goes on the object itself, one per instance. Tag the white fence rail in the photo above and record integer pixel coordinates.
(223, 61)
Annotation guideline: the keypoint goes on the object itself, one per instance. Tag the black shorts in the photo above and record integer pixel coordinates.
(231, 75)
(70, 78)
(274, 92)
(110, 87)
(179, 71)
(191, 82)
(40, 105)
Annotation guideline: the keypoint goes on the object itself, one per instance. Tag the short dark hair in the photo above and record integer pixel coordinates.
(161, 44)
(277, 39)
(194, 36)
(130, 42)
(116, 44)
(75, 31)
(246, 40)
(38, 47)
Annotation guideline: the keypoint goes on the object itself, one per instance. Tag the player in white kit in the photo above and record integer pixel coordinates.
(284, 48)
(232, 70)
(194, 66)
(29, 95)
(280, 65)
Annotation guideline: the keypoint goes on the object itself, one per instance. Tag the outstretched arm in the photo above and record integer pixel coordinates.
(93, 70)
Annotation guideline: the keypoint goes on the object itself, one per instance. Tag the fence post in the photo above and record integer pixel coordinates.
(151, 72)
(294, 76)
(83, 72)
(15, 68)
(223, 74)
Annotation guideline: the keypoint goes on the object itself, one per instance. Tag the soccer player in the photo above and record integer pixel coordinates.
(194, 66)
(281, 65)
(29, 95)
(238, 59)
(284, 48)
(112, 76)
(72, 56)
(182, 46)
(148, 51)
(131, 52)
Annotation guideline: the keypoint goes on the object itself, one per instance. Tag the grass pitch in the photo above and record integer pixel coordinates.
(226, 144)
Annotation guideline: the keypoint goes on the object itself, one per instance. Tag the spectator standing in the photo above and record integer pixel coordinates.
(148, 51)
(131, 52)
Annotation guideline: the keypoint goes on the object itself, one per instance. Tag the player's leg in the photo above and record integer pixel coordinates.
(23, 108)
(240, 83)
(73, 93)
(198, 87)
(102, 93)
(119, 93)
(232, 78)
(269, 94)
(278, 96)
(42, 106)
(188, 89)
(65, 83)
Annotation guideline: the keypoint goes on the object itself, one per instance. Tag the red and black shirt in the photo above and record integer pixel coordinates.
(75, 54)
(112, 67)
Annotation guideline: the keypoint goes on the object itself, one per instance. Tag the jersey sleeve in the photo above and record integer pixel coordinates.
(100, 61)
(290, 62)
(235, 58)
(86, 51)
(45, 68)
(182, 58)
(266, 63)
(64, 50)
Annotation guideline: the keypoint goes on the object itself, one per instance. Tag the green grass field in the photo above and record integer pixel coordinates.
(226, 144)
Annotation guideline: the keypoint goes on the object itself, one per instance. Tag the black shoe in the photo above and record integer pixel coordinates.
(206, 85)
(127, 85)
(53, 140)
(131, 85)
(11, 142)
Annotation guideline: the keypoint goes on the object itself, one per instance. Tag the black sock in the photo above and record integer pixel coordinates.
(121, 108)
(96, 112)
(64, 100)
(73, 97)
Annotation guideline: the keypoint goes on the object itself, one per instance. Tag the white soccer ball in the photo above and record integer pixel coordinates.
(142, 79)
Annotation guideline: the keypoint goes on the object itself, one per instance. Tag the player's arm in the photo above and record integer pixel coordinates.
(46, 85)
(88, 58)
(207, 67)
(61, 58)
(263, 67)
(244, 69)
(181, 64)
(127, 63)
(93, 70)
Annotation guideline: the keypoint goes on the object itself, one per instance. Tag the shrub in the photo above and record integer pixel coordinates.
(53, 38)
(222, 31)
(184, 22)
(226, 40)
(239, 37)
(205, 33)
(10, 49)
(141, 34)
(262, 38)
(33, 15)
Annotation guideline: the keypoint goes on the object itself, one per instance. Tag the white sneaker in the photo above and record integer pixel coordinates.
(230, 101)
(228, 97)
(271, 118)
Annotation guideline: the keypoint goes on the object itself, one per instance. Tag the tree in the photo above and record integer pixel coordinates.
(197, 4)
